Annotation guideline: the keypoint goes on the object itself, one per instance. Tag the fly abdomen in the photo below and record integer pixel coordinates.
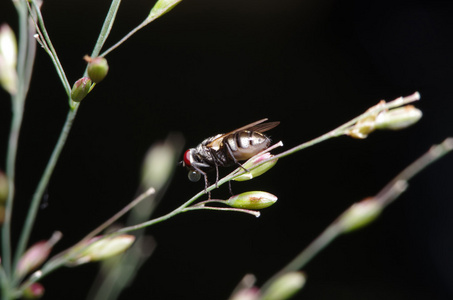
(245, 144)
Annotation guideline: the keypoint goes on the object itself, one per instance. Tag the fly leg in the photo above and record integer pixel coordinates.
(230, 152)
(216, 167)
(229, 186)
(206, 183)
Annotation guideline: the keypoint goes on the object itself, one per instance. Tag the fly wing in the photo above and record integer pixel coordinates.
(263, 127)
(255, 126)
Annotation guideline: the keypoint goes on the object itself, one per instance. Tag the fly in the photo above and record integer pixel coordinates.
(224, 150)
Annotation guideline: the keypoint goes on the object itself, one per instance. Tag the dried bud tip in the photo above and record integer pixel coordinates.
(360, 214)
(80, 89)
(34, 291)
(97, 68)
(252, 200)
(259, 170)
(362, 128)
(285, 286)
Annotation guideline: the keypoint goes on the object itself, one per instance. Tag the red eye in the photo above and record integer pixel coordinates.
(187, 158)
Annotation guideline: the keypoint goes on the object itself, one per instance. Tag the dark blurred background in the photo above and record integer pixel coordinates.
(211, 66)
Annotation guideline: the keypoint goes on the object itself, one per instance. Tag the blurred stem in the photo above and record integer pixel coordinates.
(26, 50)
(386, 196)
(32, 212)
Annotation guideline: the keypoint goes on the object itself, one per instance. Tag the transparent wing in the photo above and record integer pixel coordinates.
(255, 126)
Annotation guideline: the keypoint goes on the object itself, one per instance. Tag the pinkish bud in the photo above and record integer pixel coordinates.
(34, 291)
(259, 170)
(80, 89)
(252, 293)
(36, 255)
(252, 200)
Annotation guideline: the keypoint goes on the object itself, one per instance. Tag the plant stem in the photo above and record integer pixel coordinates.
(125, 38)
(385, 196)
(31, 216)
(17, 105)
(106, 28)
(37, 196)
(50, 49)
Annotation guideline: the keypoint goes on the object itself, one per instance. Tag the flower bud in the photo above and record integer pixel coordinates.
(252, 293)
(100, 248)
(252, 200)
(80, 89)
(285, 286)
(3, 188)
(360, 214)
(34, 291)
(398, 118)
(97, 69)
(8, 59)
(36, 255)
(259, 170)
(162, 7)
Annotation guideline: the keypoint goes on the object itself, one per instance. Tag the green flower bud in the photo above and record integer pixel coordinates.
(3, 188)
(80, 89)
(36, 255)
(259, 170)
(285, 286)
(34, 291)
(100, 248)
(97, 69)
(252, 200)
(162, 7)
(398, 118)
(360, 214)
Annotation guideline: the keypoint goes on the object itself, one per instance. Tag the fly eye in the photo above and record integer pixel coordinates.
(194, 176)
(187, 158)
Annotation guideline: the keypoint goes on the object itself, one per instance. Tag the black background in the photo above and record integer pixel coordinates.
(211, 66)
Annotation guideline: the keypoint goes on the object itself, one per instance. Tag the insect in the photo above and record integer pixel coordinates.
(227, 149)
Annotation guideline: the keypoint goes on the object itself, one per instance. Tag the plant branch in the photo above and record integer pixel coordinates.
(384, 197)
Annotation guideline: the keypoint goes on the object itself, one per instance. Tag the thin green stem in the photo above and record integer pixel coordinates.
(51, 50)
(125, 38)
(173, 213)
(322, 241)
(247, 211)
(26, 231)
(106, 28)
(385, 196)
(33, 210)
(17, 104)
